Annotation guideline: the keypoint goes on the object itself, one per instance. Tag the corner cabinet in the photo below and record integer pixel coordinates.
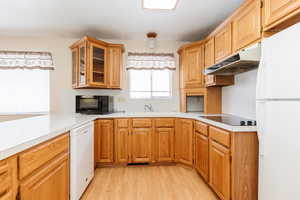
(96, 64)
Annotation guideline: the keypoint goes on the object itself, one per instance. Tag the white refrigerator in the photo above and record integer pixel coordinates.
(278, 116)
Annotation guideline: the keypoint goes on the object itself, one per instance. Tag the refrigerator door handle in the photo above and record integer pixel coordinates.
(260, 117)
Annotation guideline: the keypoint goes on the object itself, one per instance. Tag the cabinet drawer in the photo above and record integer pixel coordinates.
(5, 178)
(219, 135)
(122, 123)
(39, 155)
(141, 123)
(201, 128)
(164, 122)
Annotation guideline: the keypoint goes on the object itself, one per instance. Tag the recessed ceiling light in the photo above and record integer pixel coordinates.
(160, 4)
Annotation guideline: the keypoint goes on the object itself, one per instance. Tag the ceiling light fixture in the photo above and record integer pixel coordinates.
(160, 4)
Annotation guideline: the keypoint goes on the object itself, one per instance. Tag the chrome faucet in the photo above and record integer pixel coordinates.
(148, 108)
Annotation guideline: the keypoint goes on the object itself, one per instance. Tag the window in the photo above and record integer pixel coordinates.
(24, 82)
(150, 75)
(150, 83)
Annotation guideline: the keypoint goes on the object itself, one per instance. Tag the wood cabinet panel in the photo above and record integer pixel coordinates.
(219, 170)
(8, 178)
(202, 128)
(104, 141)
(247, 25)
(184, 141)
(141, 145)
(165, 144)
(115, 67)
(121, 145)
(141, 123)
(209, 53)
(48, 183)
(219, 135)
(274, 10)
(122, 123)
(223, 43)
(34, 158)
(164, 122)
(75, 59)
(202, 155)
(193, 67)
(219, 80)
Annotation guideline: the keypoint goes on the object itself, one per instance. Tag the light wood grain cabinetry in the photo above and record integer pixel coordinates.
(209, 55)
(219, 170)
(223, 43)
(104, 141)
(121, 145)
(141, 150)
(49, 182)
(246, 25)
(219, 80)
(164, 144)
(8, 178)
(202, 155)
(276, 11)
(184, 141)
(98, 64)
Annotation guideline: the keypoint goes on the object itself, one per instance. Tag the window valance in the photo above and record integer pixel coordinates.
(149, 61)
(26, 60)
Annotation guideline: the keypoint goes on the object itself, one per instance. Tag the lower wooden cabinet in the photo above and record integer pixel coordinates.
(184, 141)
(104, 142)
(202, 155)
(219, 170)
(164, 144)
(121, 145)
(49, 182)
(8, 179)
(141, 145)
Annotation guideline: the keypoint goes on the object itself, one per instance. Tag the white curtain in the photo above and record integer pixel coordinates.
(151, 61)
(26, 60)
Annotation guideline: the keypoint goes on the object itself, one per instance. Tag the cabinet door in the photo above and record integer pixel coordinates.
(165, 144)
(8, 178)
(104, 141)
(141, 145)
(276, 9)
(223, 43)
(209, 53)
(75, 61)
(201, 155)
(82, 76)
(193, 69)
(247, 25)
(48, 183)
(219, 177)
(115, 67)
(97, 66)
(121, 145)
(184, 141)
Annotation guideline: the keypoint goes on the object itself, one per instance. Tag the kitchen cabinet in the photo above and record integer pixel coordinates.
(219, 80)
(104, 141)
(193, 66)
(8, 178)
(96, 64)
(141, 150)
(223, 43)
(122, 132)
(201, 154)
(246, 25)
(49, 182)
(209, 53)
(277, 10)
(219, 170)
(184, 141)
(165, 144)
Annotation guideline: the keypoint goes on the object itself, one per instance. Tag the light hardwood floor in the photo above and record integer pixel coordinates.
(148, 183)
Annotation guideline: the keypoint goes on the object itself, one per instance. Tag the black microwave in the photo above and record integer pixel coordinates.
(94, 104)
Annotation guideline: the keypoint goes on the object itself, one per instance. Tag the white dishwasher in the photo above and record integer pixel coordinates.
(82, 159)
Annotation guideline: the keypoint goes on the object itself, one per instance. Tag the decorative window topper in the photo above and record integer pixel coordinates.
(26, 60)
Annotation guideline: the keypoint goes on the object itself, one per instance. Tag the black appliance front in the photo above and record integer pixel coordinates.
(94, 104)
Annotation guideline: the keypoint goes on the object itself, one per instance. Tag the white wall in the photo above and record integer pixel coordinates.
(239, 99)
(62, 96)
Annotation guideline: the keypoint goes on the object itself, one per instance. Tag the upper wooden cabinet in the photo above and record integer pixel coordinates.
(209, 55)
(192, 66)
(247, 25)
(96, 64)
(276, 10)
(223, 43)
(104, 141)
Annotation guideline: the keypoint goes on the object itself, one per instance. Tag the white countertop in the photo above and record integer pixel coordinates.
(19, 135)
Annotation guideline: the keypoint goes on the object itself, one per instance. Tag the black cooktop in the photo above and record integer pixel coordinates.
(232, 120)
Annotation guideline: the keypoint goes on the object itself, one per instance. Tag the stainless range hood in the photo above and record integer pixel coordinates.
(246, 60)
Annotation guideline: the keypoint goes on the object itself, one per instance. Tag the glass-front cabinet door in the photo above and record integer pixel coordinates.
(74, 67)
(82, 68)
(97, 65)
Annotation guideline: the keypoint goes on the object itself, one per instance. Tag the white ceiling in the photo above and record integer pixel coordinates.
(112, 19)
